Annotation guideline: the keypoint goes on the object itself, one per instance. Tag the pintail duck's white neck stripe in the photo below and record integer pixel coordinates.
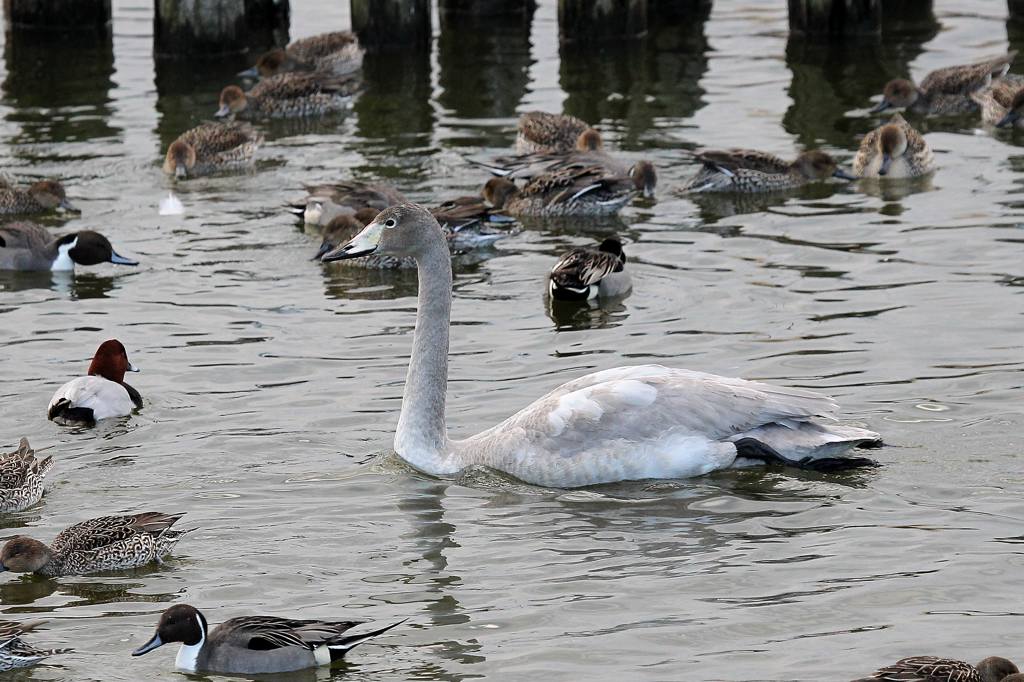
(188, 654)
(63, 260)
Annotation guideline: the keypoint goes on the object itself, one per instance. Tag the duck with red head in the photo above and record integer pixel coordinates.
(101, 394)
(894, 150)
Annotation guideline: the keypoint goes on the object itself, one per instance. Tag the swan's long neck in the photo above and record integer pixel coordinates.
(422, 436)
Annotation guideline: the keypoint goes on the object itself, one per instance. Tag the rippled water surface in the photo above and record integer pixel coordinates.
(273, 383)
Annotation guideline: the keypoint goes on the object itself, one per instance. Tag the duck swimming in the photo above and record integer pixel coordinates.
(100, 394)
(1002, 103)
(16, 652)
(935, 669)
(212, 147)
(544, 133)
(21, 478)
(39, 197)
(288, 95)
(106, 543)
(626, 423)
(337, 53)
(583, 274)
(26, 246)
(945, 91)
(641, 175)
(583, 190)
(251, 645)
(750, 171)
(894, 150)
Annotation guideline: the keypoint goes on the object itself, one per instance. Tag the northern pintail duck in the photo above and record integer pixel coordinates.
(625, 423)
(337, 53)
(1002, 103)
(541, 132)
(27, 246)
(750, 171)
(42, 196)
(288, 95)
(893, 150)
(106, 543)
(945, 91)
(583, 274)
(100, 394)
(212, 147)
(641, 175)
(935, 669)
(251, 645)
(21, 478)
(570, 191)
(16, 652)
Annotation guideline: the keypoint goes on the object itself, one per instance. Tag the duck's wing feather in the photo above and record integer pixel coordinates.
(270, 632)
(299, 84)
(25, 235)
(927, 669)
(967, 78)
(315, 47)
(583, 267)
(213, 138)
(549, 132)
(750, 159)
(108, 530)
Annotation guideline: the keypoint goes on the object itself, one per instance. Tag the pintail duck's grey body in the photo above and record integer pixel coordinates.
(337, 53)
(894, 150)
(289, 95)
(570, 190)
(21, 478)
(16, 652)
(1002, 103)
(212, 147)
(526, 167)
(106, 543)
(252, 645)
(541, 132)
(40, 197)
(946, 91)
(935, 669)
(583, 274)
(27, 246)
(747, 171)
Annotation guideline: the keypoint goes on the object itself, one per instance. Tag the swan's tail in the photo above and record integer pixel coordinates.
(803, 439)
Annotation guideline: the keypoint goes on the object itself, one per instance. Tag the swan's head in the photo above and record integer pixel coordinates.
(402, 230)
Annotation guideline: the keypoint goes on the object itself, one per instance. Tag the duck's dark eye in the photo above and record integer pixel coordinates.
(390, 223)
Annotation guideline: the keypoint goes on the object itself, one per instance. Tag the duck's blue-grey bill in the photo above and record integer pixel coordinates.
(149, 646)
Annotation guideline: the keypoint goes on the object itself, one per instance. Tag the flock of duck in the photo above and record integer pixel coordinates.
(624, 423)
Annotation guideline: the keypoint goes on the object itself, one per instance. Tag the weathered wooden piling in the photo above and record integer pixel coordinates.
(392, 24)
(190, 29)
(835, 18)
(1016, 8)
(57, 14)
(486, 8)
(596, 21)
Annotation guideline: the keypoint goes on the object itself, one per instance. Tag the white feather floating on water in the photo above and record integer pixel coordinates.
(171, 205)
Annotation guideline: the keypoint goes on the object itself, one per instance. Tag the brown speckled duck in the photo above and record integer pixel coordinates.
(21, 478)
(337, 53)
(288, 95)
(570, 190)
(42, 196)
(542, 133)
(641, 175)
(750, 171)
(945, 91)
(107, 543)
(212, 147)
(894, 150)
(1002, 103)
(16, 652)
(935, 669)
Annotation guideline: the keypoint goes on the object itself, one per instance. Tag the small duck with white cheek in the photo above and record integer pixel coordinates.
(252, 645)
(100, 394)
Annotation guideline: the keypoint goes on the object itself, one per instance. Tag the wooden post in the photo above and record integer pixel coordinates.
(911, 18)
(190, 29)
(1016, 8)
(592, 21)
(392, 24)
(486, 8)
(835, 18)
(57, 14)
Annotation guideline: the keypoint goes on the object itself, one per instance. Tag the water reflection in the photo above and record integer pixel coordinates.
(394, 111)
(58, 86)
(591, 314)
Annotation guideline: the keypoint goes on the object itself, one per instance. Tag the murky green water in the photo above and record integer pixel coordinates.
(272, 383)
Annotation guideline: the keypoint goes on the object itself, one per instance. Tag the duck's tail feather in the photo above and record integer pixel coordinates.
(63, 412)
(340, 646)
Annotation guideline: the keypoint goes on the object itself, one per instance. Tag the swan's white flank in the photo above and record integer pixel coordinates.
(626, 423)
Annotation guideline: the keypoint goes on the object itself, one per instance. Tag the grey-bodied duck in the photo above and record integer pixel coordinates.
(288, 95)
(106, 543)
(641, 175)
(42, 196)
(894, 150)
(27, 246)
(338, 53)
(583, 274)
(935, 669)
(16, 652)
(545, 133)
(212, 147)
(21, 478)
(945, 91)
(571, 190)
(251, 645)
(749, 171)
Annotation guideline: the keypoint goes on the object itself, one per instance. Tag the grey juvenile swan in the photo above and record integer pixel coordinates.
(626, 423)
